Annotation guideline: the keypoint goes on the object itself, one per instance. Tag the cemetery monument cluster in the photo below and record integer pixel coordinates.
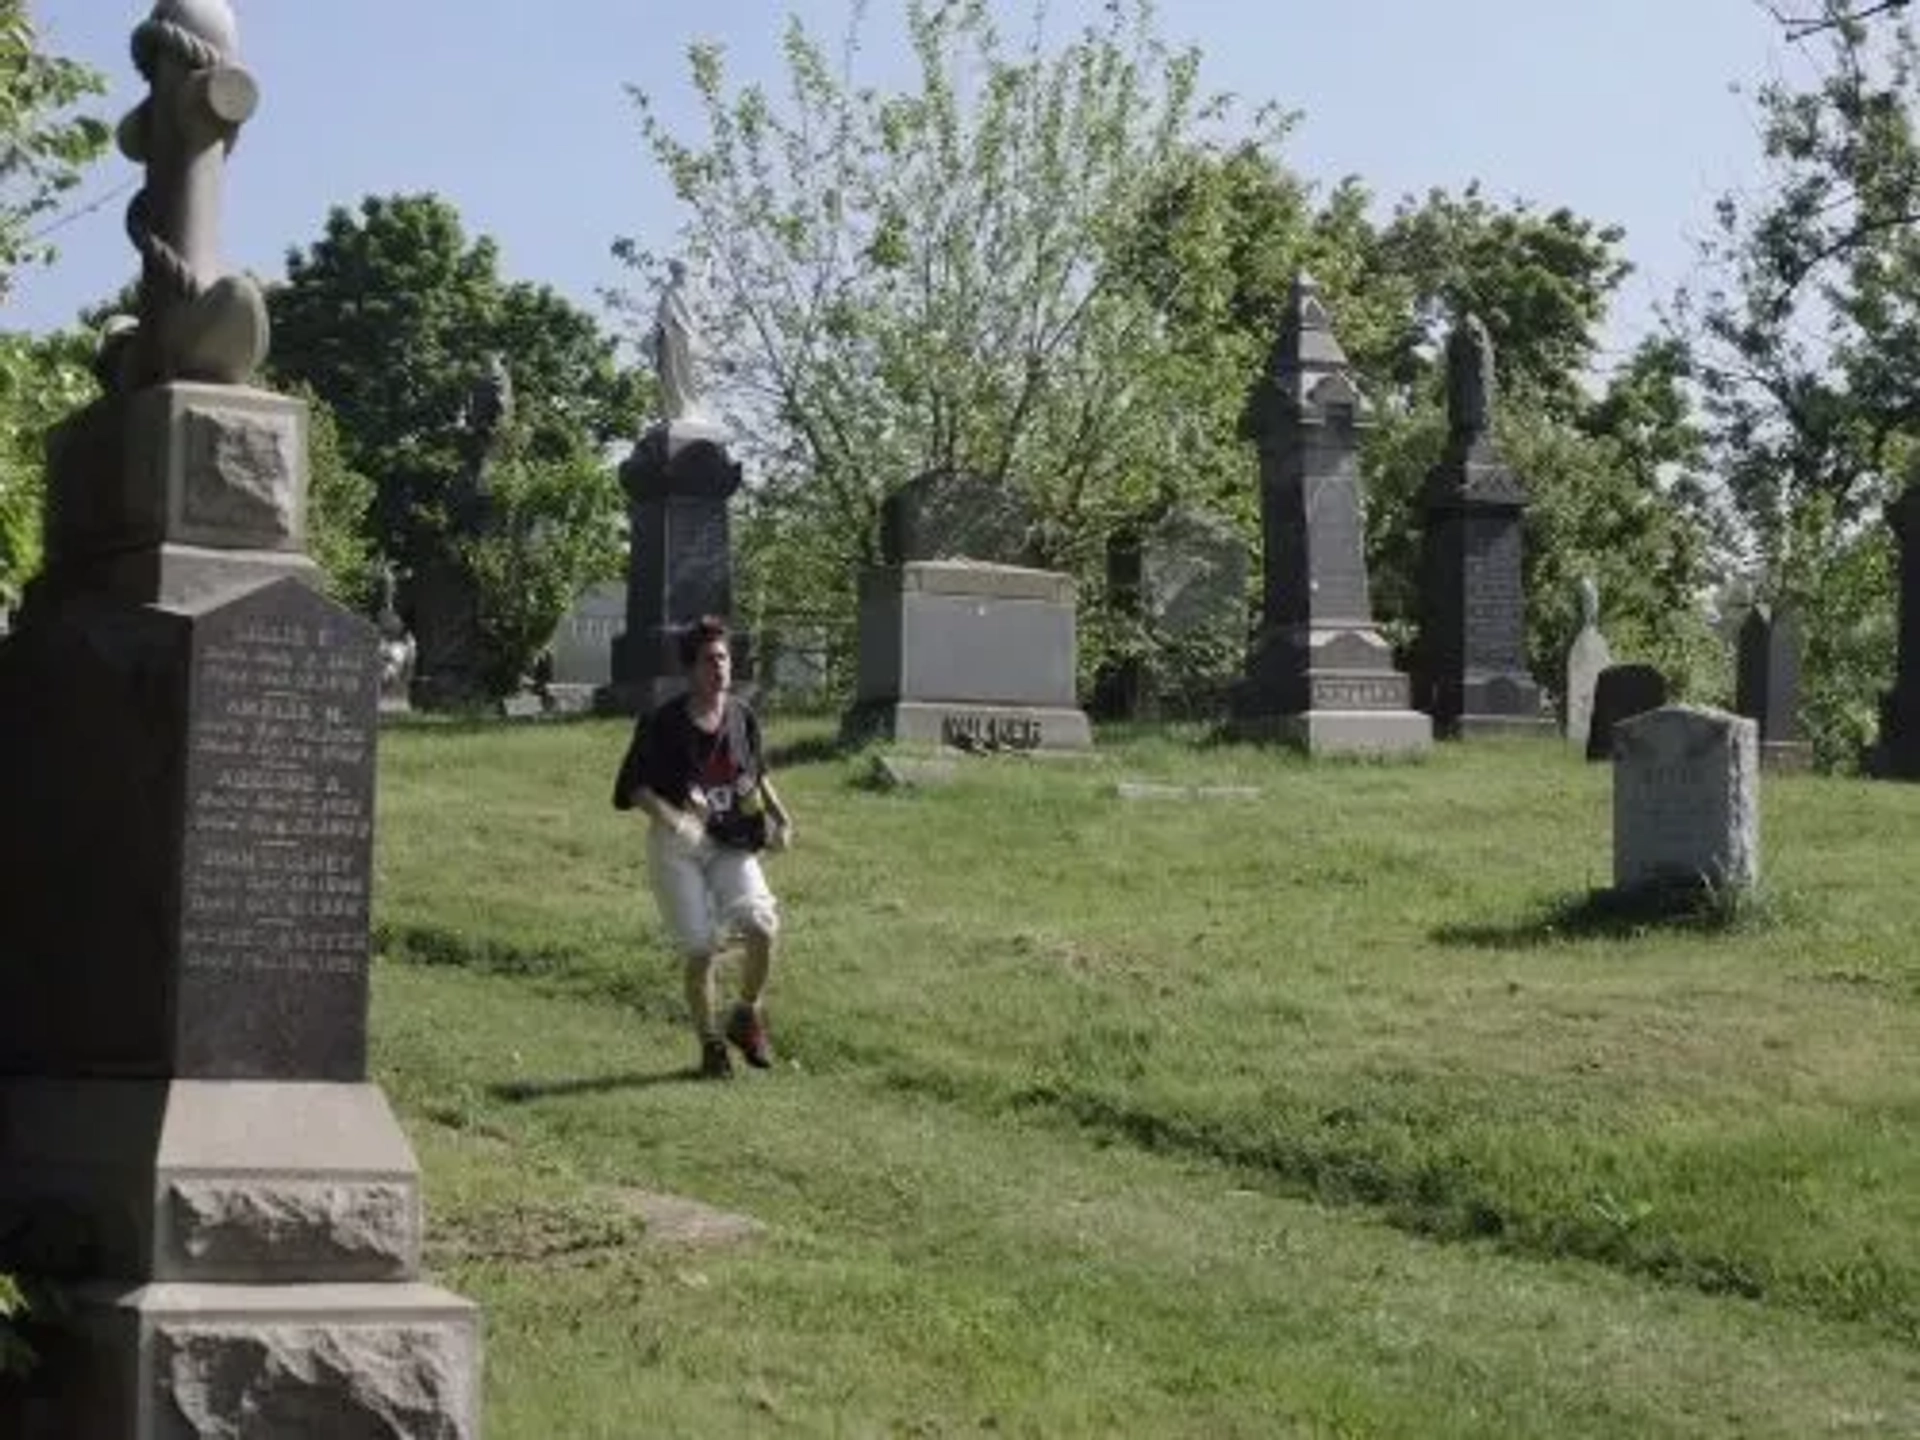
(189, 1144)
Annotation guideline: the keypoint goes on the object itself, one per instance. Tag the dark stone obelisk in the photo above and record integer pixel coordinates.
(680, 480)
(191, 1154)
(1321, 675)
(1767, 685)
(1471, 673)
(1897, 755)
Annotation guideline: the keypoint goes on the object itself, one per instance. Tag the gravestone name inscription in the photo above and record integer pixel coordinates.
(277, 850)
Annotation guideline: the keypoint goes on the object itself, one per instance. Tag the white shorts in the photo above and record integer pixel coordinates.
(709, 893)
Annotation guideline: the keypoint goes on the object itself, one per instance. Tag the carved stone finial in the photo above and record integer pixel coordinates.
(195, 322)
(1589, 603)
(1470, 377)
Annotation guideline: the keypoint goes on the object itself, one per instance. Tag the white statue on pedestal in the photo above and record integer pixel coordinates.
(678, 350)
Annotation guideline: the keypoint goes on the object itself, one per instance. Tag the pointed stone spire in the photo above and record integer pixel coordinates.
(1321, 675)
(1309, 378)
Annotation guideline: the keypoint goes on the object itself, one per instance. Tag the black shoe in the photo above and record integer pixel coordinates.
(748, 1030)
(714, 1064)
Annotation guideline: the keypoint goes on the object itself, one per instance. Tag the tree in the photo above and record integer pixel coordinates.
(42, 381)
(1807, 351)
(1834, 15)
(1216, 252)
(391, 317)
(44, 148)
(392, 314)
(927, 279)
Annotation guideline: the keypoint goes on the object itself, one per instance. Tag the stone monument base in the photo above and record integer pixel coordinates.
(1342, 732)
(1493, 727)
(206, 1180)
(969, 727)
(155, 1362)
(1786, 757)
(267, 1238)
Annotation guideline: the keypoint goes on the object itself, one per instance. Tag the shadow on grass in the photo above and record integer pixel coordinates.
(434, 945)
(1693, 908)
(808, 750)
(520, 1092)
(648, 991)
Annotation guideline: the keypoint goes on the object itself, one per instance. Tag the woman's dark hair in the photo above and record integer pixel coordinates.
(697, 636)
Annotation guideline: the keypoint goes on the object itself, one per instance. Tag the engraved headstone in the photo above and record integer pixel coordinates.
(191, 1155)
(582, 645)
(1586, 658)
(1621, 692)
(1686, 800)
(953, 515)
(973, 656)
(1767, 685)
(1322, 676)
(1472, 672)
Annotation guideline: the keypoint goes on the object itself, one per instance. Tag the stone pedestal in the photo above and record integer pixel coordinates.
(1472, 675)
(187, 1138)
(976, 656)
(1321, 676)
(679, 481)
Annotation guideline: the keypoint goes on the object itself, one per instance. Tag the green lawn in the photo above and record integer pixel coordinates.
(1329, 1114)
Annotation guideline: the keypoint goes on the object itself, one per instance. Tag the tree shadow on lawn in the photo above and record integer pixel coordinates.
(554, 968)
(1683, 907)
(809, 750)
(520, 1092)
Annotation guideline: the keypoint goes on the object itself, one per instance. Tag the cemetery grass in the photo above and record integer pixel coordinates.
(1339, 1112)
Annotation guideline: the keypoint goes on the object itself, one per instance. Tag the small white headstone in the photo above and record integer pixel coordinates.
(1686, 799)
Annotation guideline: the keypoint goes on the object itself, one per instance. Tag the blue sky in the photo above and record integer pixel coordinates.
(516, 111)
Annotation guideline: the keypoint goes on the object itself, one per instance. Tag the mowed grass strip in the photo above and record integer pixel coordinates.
(1019, 1010)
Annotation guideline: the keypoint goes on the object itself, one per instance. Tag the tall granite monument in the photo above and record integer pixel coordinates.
(1321, 675)
(1767, 685)
(1897, 753)
(679, 481)
(443, 594)
(1472, 672)
(189, 1146)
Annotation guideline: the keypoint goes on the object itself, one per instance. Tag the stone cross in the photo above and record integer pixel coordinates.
(196, 323)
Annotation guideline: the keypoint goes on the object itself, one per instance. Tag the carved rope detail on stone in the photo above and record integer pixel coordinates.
(153, 40)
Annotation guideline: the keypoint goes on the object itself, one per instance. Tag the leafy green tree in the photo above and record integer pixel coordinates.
(391, 317)
(1806, 346)
(42, 381)
(927, 278)
(44, 146)
(339, 499)
(552, 534)
(44, 149)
